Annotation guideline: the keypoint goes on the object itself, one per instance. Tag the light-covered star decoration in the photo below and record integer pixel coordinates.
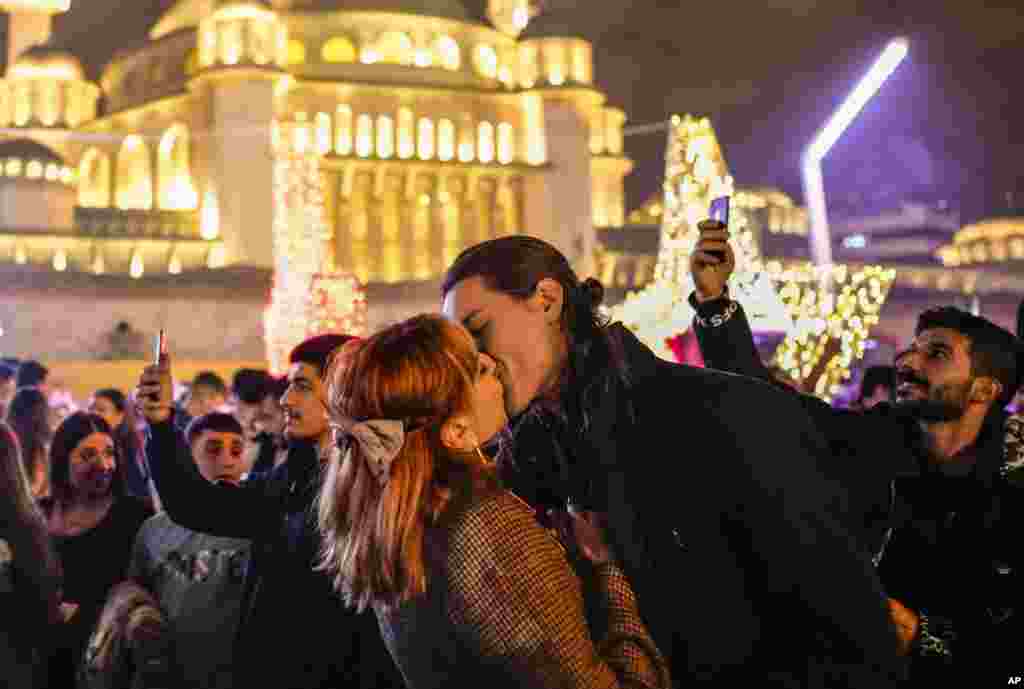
(825, 313)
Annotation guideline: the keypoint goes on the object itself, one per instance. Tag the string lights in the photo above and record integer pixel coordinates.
(306, 299)
(695, 173)
(833, 310)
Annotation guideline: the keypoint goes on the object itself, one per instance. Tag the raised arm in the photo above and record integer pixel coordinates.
(221, 509)
(247, 511)
(792, 515)
(516, 602)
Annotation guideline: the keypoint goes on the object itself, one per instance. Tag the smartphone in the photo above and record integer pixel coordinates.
(159, 347)
(720, 210)
(718, 219)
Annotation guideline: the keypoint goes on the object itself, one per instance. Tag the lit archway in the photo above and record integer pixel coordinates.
(94, 179)
(338, 49)
(134, 175)
(174, 174)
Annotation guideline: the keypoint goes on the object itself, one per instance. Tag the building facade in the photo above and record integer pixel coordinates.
(436, 130)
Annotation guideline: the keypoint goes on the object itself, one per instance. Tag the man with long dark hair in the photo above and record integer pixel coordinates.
(715, 506)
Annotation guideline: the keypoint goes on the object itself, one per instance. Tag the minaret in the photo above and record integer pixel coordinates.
(242, 50)
(30, 23)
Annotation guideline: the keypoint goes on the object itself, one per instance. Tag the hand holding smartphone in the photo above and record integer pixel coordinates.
(718, 219)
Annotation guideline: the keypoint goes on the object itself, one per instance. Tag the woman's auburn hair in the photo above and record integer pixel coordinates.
(421, 371)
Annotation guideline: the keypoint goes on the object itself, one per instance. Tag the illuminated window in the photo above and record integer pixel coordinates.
(343, 130)
(191, 62)
(34, 169)
(425, 138)
(485, 142)
(448, 52)
(385, 137)
(323, 133)
(406, 135)
(262, 40)
(554, 63)
(134, 177)
(296, 52)
(22, 103)
(173, 171)
(529, 70)
(394, 47)
(423, 58)
(446, 140)
(364, 136)
(467, 149)
(506, 143)
(582, 57)
(281, 39)
(486, 61)
(136, 268)
(48, 107)
(338, 49)
(94, 180)
(207, 44)
(231, 46)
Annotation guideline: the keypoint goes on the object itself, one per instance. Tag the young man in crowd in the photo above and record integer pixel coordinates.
(296, 631)
(207, 393)
(257, 398)
(197, 578)
(929, 473)
(715, 505)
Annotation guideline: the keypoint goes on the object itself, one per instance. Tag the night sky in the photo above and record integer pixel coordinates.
(768, 73)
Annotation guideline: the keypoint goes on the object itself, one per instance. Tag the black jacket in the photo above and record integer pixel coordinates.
(951, 549)
(296, 633)
(719, 515)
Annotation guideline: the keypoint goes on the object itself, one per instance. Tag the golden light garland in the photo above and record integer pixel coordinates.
(696, 173)
(833, 309)
(306, 299)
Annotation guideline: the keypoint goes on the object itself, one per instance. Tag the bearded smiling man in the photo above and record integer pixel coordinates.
(928, 476)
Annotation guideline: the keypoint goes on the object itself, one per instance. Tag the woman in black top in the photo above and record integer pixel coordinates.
(92, 523)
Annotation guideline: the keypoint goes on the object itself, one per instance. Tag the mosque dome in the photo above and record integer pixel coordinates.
(47, 61)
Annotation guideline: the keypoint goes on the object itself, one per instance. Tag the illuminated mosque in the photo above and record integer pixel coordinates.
(434, 130)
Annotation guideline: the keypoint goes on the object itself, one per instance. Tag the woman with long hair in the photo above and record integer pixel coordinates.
(29, 418)
(29, 572)
(468, 587)
(93, 523)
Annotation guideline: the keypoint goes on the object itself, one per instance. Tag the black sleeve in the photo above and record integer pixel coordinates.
(787, 508)
(725, 339)
(246, 511)
(886, 439)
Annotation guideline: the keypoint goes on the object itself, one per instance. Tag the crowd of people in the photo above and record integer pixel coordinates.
(514, 492)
